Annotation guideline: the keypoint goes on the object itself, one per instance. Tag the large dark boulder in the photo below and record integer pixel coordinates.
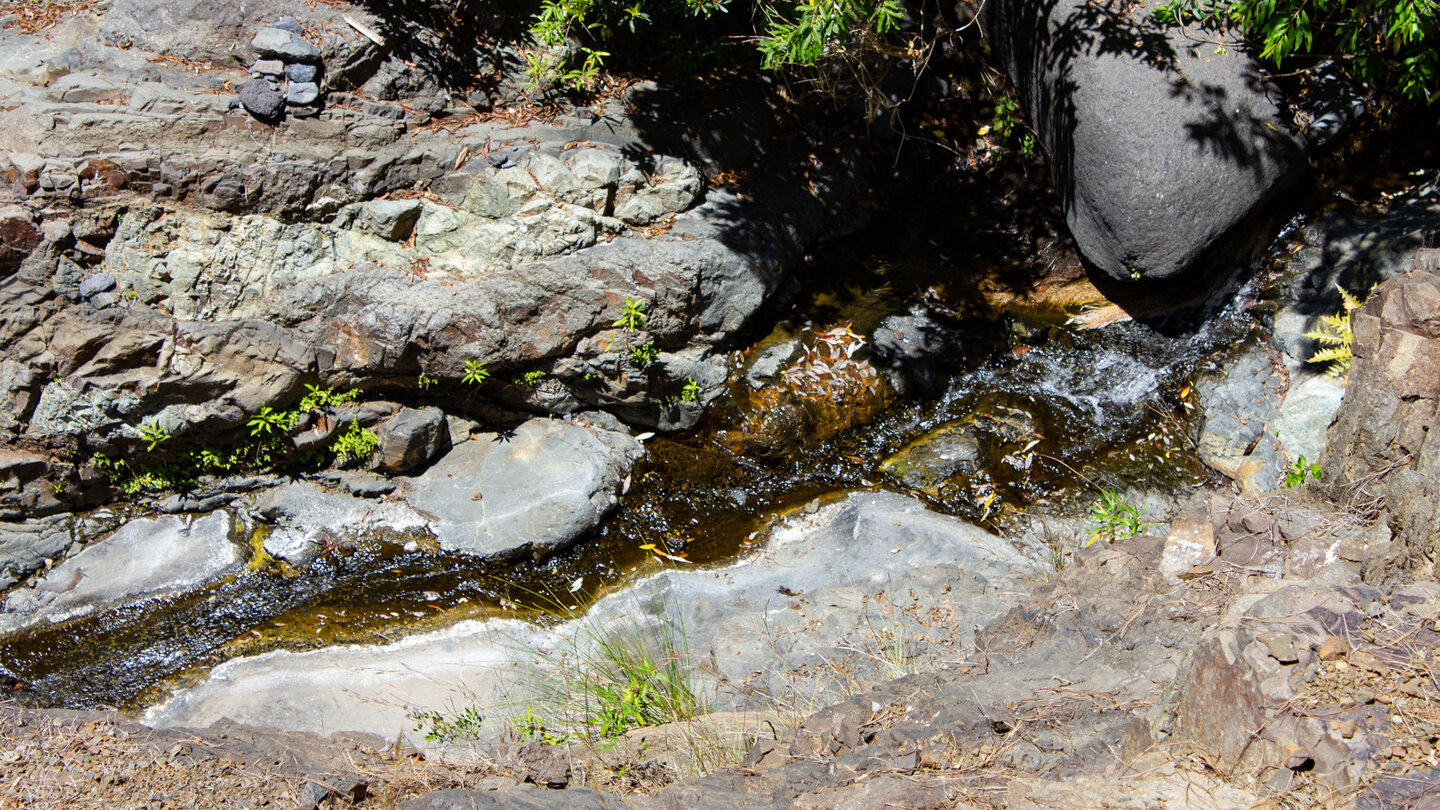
(1158, 144)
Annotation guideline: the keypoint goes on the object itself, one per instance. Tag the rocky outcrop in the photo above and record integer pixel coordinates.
(1383, 455)
(1159, 144)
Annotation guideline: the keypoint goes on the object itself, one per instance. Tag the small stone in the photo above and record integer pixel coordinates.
(268, 67)
(262, 99)
(286, 45)
(1367, 660)
(288, 24)
(96, 284)
(479, 100)
(1281, 647)
(302, 93)
(1345, 728)
(1332, 648)
(302, 73)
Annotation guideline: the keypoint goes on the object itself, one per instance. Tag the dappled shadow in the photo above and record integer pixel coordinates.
(1059, 49)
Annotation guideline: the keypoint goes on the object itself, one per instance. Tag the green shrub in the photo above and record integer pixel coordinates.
(1388, 44)
(476, 372)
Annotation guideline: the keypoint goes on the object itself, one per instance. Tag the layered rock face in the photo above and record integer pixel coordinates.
(1159, 145)
(1383, 453)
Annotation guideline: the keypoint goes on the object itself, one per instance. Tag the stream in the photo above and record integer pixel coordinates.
(888, 363)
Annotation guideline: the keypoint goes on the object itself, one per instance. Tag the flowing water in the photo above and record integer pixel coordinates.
(1049, 414)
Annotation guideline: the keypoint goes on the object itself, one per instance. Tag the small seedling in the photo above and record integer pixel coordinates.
(632, 315)
(530, 378)
(1114, 518)
(476, 372)
(1300, 473)
(691, 392)
(644, 354)
(441, 729)
(424, 381)
(154, 435)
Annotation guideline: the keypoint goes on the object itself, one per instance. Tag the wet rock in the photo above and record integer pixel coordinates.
(871, 548)
(533, 490)
(410, 438)
(146, 557)
(287, 46)
(1305, 415)
(263, 99)
(305, 519)
(1158, 146)
(917, 348)
(928, 461)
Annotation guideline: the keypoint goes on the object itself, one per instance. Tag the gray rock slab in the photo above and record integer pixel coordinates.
(303, 517)
(145, 558)
(1239, 406)
(838, 559)
(285, 45)
(539, 487)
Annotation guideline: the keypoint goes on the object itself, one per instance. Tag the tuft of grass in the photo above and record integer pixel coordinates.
(1114, 518)
(609, 680)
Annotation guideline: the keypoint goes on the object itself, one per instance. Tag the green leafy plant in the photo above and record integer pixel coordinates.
(153, 434)
(691, 392)
(270, 422)
(644, 354)
(530, 378)
(632, 315)
(1113, 518)
(609, 678)
(424, 381)
(1334, 336)
(439, 728)
(1300, 473)
(1388, 44)
(804, 33)
(355, 443)
(476, 372)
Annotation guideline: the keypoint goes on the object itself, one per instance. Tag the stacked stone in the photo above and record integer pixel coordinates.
(286, 77)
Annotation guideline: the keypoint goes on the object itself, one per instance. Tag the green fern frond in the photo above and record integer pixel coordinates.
(1334, 335)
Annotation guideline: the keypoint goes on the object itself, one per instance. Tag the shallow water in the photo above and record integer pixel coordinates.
(1068, 412)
